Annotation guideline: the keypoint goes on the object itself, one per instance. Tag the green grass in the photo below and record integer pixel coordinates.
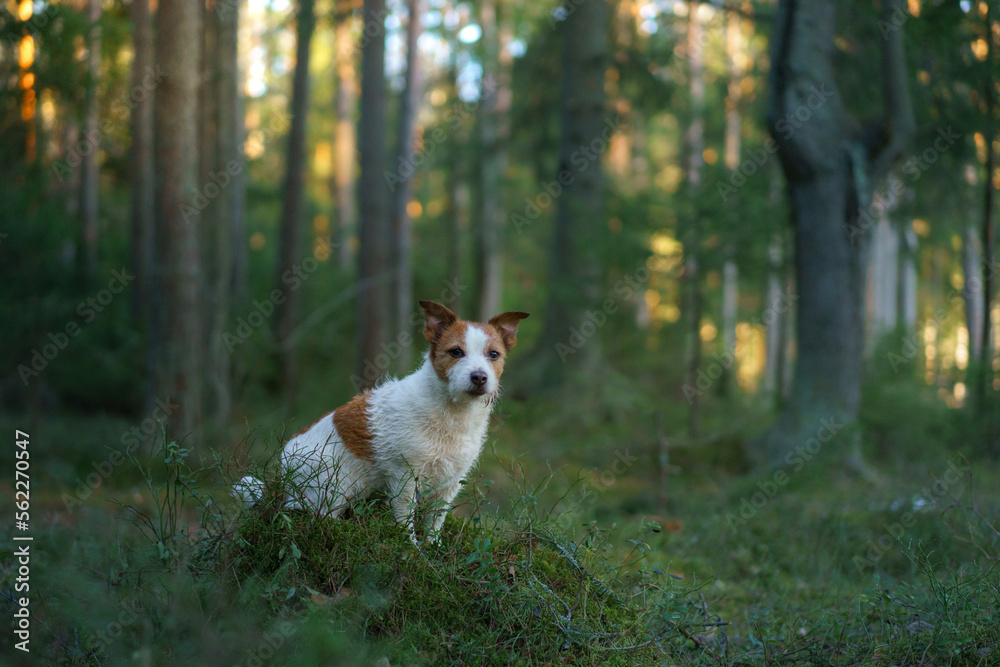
(580, 563)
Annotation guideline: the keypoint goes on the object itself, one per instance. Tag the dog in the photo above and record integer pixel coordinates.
(419, 434)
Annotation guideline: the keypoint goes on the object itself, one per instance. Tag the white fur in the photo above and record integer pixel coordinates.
(426, 435)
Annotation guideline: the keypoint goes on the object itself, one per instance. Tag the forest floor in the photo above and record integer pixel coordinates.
(809, 565)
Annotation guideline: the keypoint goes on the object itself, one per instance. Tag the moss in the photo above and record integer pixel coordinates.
(479, 597)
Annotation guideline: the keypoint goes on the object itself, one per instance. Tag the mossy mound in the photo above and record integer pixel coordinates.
(481, 596)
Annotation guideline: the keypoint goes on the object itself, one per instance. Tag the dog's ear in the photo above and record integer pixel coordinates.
(506, 324)
(436, 319)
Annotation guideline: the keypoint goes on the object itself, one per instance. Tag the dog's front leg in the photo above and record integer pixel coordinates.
(404, 505)
(441, 508)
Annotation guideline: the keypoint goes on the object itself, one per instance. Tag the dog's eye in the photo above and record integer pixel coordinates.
(493, 354)
(456, 352)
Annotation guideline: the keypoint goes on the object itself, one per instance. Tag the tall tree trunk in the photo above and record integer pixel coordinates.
(240, 241)
(574, 277)
(228, 166)
(691, 239)
(734, 116)
(971, 263)
(989, 204)
(176, 151)
(374, 297)
(290, 245)
(457, 213)
(493, 137)
(906, 306)
(208, 201)
(345, 143)
(143, 193)
(774, 317)
(89, 170)
(831, 171)
(883, 273)
(399, 217)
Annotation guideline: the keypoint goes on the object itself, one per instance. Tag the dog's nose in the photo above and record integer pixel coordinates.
(478, 378)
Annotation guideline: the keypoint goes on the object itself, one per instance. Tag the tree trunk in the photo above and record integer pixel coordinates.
(89, 170)
(374, 296)
(831, 171)
(457, 213)
(971, 261)
(344, 140)
(574, 267)
(399, 219)
(906, 308)
(774, 318)
(883, 275)
(691, 239)
(290, 250)
(493, 137)
(143, 194)
(176, 151)
(989, 203)
(228, 164)
(734, 116)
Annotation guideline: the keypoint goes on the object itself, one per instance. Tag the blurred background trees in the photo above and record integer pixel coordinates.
(713, 207)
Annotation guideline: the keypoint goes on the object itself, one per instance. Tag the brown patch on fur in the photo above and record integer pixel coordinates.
(506, 326)
(351, 422)
(437, 318)
(448, 338)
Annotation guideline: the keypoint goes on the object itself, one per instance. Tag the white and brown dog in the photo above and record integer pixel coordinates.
(422, 432)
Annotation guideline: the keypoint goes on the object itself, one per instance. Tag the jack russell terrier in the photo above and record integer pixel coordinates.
(426, 429)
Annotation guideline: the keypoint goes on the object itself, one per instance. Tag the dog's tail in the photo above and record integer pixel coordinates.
(249, 489)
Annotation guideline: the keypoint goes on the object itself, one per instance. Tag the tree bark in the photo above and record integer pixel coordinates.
(493, 137)
(143, 193)
(989, 204)
(176, 154)
(290, 243)
(345, 142)
(883, 274)
(227, 165)
(574, 267)
(971, 263)
(89, 170)
(906, 307)
(694, 147)
(734, 117)
(374, 296)
(399, 219)
(831, 168)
